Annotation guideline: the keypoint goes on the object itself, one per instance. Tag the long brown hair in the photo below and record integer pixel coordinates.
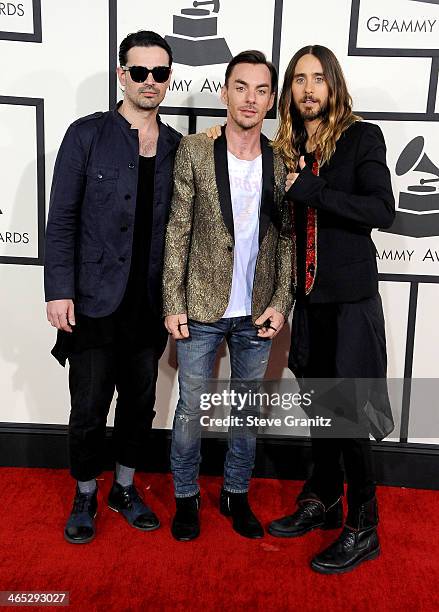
(291, 134)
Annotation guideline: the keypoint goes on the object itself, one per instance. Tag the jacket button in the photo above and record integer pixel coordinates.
(124, 228)
(122, 259)
(230, 248)
(131, 165)
(100, 176)
(127, 196)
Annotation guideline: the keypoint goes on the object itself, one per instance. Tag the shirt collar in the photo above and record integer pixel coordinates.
(120, 119)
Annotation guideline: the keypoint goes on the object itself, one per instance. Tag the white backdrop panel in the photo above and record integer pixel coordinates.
(69, 70)
(19, 204)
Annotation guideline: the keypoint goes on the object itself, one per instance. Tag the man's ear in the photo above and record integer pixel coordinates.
(272, 98)
(224, 97)
(121, 75)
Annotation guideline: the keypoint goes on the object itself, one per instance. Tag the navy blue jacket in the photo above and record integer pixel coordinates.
(89, 233)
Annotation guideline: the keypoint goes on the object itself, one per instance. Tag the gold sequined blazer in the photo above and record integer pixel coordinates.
(198, 263)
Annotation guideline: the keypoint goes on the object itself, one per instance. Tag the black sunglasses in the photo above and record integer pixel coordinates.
(139, 74)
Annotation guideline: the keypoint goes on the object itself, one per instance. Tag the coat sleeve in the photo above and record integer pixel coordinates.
(372, 205)
(65, 202)
(178, 234)
(282, 299)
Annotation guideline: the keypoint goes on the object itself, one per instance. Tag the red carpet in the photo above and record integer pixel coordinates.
(124, 569)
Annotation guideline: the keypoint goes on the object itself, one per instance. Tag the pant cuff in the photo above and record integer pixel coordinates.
(182, 495)
(232, 490)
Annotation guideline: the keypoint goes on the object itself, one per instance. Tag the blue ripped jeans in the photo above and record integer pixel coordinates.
(196, 358)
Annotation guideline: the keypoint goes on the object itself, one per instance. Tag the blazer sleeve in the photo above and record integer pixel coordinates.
(65, 202)
(372, 205)
(282, 299)
(178, 234)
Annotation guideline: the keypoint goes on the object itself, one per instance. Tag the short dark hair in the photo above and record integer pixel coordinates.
(252, 57)
(142, 38)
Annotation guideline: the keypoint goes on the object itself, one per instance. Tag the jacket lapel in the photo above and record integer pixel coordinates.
(166, 143)
(222, 180)
(268, 211)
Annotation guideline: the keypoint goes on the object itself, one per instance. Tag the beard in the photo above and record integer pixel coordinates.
(146, 103)
(311, 115)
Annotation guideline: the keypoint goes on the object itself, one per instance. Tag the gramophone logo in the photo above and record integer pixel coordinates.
(203, 35)
(418, 206)
(195, 40)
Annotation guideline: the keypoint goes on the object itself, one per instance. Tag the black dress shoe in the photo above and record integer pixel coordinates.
(354, 545)
(128, 502)
(310, 514)
(186, 523)
(244, 521)
(80, 527)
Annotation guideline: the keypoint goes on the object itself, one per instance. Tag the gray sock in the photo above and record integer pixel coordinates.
(124, 475)
(87, 486)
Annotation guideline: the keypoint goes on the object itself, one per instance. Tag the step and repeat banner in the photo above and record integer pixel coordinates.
(59, 62)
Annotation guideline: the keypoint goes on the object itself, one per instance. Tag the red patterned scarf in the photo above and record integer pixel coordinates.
(311, 237)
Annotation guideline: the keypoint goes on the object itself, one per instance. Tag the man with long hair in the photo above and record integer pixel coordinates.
(340, 189)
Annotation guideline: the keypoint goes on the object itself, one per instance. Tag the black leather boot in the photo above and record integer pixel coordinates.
(186, 523)
(357, 542)
(244, 521)
(310, 514)
(80, 527)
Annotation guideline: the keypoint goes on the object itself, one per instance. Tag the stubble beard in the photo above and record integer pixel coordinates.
(245, 126)
(144, 103)
(147, 104)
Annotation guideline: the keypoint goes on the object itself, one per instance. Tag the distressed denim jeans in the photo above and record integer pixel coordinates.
(196, 358)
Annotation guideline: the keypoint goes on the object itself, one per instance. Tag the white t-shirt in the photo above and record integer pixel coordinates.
(245, 189)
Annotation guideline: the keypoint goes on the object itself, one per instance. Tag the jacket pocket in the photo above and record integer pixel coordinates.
(90, 270)
(102, 173)
(102, 183)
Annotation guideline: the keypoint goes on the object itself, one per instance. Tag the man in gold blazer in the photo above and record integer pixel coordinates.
(227, 275)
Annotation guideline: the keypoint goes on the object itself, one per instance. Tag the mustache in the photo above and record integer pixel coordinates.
(309, 99)
(148, 89)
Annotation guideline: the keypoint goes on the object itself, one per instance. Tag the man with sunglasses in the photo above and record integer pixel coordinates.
(227, 276)
(111, 193)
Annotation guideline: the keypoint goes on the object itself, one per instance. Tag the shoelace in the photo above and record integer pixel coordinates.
(82, 503)
(346, 539)
(305, 510)
(132, 496)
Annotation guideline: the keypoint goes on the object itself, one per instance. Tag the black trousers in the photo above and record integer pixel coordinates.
(95, 373)
(342, 341)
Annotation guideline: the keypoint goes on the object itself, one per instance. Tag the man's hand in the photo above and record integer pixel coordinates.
(270, 322)
(213, 132)
(292, 176)
(177, 326)
(61, 314)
